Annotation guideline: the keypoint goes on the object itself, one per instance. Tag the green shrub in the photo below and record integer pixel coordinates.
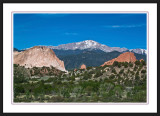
(132, 72)
(18, 89)
(115, 63)
(143, 71)
(118, 91)
(114, 71)
(130, 65)
(105, 66)
(88, 68)
(121, 71)
(126, 65)
(143, 62)
(15, 65)
(137, 73)
(112, 76)
(98, 74)
(135, 68)
(137, 62)
(119, 65)
(137, 77)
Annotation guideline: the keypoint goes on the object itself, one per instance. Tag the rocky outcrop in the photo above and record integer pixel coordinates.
(83, 66)
(141, 60)
(38, 57)
(15, 53)
(125, 57)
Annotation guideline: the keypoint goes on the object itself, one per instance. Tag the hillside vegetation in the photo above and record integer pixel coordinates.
(75, 58)
(120, 82)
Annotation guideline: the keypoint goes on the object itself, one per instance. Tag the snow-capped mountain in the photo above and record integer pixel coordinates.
(88, 44)
(139, 51)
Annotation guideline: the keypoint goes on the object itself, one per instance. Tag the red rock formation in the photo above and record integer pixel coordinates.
(38, 57)
(141, 60)
(83, 66)
(125, 57)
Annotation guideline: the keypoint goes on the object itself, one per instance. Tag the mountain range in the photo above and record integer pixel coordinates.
(93, 45)
(88, 52)
(91, 53)
(90, 58)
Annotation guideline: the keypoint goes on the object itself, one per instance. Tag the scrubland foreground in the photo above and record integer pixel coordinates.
(120, 82)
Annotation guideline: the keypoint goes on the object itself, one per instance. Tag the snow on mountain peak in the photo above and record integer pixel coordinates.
(89, 41)
(90, 44)
(138, 51)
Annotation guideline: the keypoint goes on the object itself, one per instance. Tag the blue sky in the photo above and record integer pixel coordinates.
(114, 30)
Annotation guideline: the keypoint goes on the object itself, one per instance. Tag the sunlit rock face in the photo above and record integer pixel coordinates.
(38, 57)
(83, 66)
(125, 57)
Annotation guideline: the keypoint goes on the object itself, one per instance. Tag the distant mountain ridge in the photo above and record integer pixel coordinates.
(93, 45)
(89, 57)
(89, 52)
(139, 51)
(88, 44)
